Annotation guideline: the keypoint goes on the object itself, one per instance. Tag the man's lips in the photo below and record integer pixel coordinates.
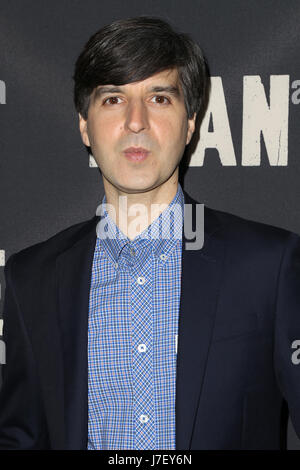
(136, 153)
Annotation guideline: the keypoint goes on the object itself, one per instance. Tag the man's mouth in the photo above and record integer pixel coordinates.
(136, 154)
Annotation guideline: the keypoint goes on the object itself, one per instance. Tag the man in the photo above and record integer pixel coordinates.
(128, 341)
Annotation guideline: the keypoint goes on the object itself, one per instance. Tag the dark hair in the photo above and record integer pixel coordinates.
(133, 49)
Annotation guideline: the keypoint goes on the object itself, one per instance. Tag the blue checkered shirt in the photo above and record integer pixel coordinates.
(132, 333)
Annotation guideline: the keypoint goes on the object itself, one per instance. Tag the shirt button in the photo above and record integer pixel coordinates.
(132, 251)
(141, 280)
(163, 257)
(142, 348)
(144, 418)
(116, 265)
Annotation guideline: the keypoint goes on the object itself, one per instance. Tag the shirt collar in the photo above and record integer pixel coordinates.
(160, 236)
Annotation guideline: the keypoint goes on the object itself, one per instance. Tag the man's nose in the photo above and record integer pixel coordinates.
(137, 116)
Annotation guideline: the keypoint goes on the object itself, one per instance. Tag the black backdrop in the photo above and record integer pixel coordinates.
(247, 160)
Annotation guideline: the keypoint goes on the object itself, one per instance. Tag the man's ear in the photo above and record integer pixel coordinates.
(83, 130)
(191, 128)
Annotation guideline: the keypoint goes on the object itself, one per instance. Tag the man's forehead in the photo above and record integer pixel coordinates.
(168, 79)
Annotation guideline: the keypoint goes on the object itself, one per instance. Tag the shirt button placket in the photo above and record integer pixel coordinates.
(142, 357)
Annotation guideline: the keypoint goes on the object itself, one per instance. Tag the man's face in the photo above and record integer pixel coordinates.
(150, 114)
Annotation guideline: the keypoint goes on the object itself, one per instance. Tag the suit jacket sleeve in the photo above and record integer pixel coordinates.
(287, 328)
(22, 423)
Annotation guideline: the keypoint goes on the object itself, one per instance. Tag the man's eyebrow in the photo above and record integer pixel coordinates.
(171, 89)
(105, 89)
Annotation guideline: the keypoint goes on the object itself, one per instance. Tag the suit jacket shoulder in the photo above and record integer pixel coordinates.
(38, 255)
(240, 230)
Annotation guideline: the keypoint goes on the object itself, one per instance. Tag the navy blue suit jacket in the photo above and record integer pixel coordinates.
(239, 316)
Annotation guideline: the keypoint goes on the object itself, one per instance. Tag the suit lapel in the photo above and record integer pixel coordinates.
(201, 273)
(74, 269)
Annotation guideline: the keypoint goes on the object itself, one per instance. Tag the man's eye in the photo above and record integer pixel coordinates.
(112, 100)
(161, 99)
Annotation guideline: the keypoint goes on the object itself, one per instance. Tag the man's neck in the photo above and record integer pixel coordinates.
(134, 212)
